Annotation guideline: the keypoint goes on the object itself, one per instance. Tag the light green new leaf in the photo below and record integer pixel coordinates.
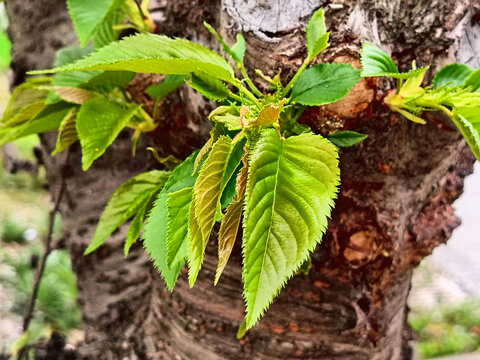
(87, 15)
(238, 50)
(290, 190)
(206, 203)
(473, 80)
(317, 37)
(67, 133)
(156, 227)
(99, 122)
(154, 241)
(346, 138)
(467, 121)
(46, 120)
(451, 75)
(209, 87)
(376, 62)
(178, 204)
(324, 83)
(148, 53)
(167, 86)
(126, 202)
(106, 33)
(135, 228)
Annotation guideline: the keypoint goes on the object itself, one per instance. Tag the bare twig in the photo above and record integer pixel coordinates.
(47, 249)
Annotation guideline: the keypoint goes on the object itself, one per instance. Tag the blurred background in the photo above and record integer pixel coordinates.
(444, 300)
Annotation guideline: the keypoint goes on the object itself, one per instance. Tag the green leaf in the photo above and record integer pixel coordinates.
(376, 62)
(48, 119)
(106, 33)
(167, 86)
(26, 101)
(99, 122)
(317, 36)
(324, 83)
(156, 227)
(290, 190)
(224, 115)
(67, 133)
(238, 50)
(473, 80)
(178, 204)
(209, 87)
(468, 122)
(87, 15)
(154, 241)
(135, 228)
(125, 202)
(148, 53)
(70, 54)
(231, 222)
(451, 75)
(71, 94)
(346, 138)
(109, 79)
(206, 202)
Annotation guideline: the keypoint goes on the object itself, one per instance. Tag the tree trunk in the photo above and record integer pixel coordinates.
(393, 208)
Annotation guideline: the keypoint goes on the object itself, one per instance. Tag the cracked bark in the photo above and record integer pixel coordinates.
(394, 205)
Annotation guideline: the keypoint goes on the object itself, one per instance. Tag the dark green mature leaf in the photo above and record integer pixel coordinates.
(156, 227)
(376, 62)
(468, 122)
(87, 15)
(99, 122)
(290, 190)
(324, 83)
(67, 133)
(209, 87)
(46, 120)
(147, 53)
(317, 36)
(473, 80)
(70, 54)
(346, 138)
(167, 86)
(206, 203)
(125, 202)
(451, 75)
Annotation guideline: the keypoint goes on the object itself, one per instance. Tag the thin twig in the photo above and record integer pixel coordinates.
(47, 248)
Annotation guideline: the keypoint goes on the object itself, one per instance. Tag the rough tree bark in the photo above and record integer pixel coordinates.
(394, 206)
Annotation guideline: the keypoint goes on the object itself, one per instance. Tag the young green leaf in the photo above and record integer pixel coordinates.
(154, 241)
(473, 80)
(226, 116)
(451, 75)
(147, 53)
(468, 122)
(290, 190)
(67, 133)
(108, 79)
(99, 122)
(206, 202)
(178, 204)
(231, 222)
(71, 94)
(324, 83)
(167, 86)
(157, 225)
(317, 36)
(46, 120)
(209, 87)
(135, 228)
(346, 138)
(238, 50)
(106, 33)
(376, 62)
(126, 202)
(87, 15)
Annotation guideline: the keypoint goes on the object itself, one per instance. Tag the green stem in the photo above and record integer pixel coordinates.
(299, 72)
(248, 80)
(238, 84)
